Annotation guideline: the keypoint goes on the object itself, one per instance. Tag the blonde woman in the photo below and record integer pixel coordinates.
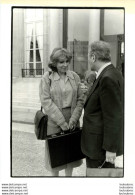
(62, 99)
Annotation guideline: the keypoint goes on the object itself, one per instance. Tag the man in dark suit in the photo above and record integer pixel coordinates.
(102, 133)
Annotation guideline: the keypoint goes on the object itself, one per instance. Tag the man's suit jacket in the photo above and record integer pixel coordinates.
(103, 116)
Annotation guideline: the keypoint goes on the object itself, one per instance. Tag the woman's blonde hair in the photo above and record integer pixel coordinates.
(57, 54)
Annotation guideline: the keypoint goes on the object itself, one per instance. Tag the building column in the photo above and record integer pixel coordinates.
(94, 28)
(52, 25)
(45, 39)
(55, 29)
(18, 42)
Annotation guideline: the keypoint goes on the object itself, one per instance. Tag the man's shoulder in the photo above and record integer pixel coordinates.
(111, 77)
(112, 72)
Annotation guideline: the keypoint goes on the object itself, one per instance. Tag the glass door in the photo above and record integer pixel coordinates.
(33, 42)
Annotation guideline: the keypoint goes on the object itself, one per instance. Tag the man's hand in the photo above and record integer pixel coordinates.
(90, 76)
(83, 87)
(110, 157)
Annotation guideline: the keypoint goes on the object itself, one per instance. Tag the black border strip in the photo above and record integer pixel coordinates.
(58, 7)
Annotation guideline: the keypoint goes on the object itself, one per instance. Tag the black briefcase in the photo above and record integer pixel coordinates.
(65, 148)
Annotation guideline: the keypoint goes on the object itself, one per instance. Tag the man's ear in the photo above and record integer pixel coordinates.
(93, 58)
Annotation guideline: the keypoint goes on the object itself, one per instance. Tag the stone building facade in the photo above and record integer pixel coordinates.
(37, 31)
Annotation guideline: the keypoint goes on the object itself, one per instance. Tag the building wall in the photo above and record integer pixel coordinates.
(17, 42)
(114, 52)
(52, 37)
(52, 32)
(112, 26)
(113, 22)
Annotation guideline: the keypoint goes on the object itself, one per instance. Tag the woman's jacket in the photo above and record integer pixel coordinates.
(51, 98)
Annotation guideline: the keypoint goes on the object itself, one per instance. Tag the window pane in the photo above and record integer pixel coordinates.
(30, 14)
(33, 14)
(29, 65)
(39, 55)
(29, 71)
(39, 28)
(39, 65)
(29, 56)
(39, 69)
(29, 29)
(39, 14)
(29, 43)
(39, 42)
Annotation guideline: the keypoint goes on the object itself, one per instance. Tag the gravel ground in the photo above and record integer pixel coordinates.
(28, 157)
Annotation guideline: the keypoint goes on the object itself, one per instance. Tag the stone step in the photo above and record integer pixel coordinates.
(22, 119)
(25, 109)
(34, 94)
(24, 116)
(17, 81)
(25, 94)
(28, 128)
(26, 104)
(25, 100)
(26, 91)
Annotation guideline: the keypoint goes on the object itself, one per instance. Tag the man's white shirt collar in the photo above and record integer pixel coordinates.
(102, 68)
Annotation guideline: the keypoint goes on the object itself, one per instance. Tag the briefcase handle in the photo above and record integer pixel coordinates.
(62, 133)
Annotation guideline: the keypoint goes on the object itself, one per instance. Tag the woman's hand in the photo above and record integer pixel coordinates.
(65, 127)
(72, 126)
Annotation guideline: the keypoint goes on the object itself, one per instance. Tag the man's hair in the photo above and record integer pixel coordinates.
(101, 50)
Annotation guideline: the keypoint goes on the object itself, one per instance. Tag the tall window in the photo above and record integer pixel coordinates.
(34, 41)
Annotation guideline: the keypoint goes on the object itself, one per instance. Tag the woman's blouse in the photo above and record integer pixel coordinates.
(67, 92)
